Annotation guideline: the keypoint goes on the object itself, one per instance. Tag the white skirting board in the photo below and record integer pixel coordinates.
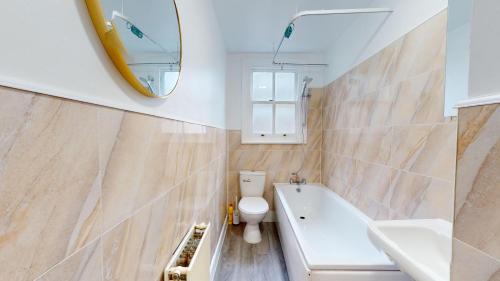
(218, 250)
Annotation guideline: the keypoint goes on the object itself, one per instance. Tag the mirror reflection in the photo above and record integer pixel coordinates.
(149, 32)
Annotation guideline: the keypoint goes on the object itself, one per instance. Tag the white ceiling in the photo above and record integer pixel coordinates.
(257, 25)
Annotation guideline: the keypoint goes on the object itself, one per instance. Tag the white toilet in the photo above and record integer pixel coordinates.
(253, 207)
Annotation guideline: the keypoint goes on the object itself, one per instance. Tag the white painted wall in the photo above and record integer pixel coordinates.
(235, 66)
(457, 68)
(51, 47)
(484, 76)
(369, 34)
(457, 54)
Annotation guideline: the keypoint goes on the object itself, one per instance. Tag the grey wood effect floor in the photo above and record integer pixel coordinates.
(241, 261)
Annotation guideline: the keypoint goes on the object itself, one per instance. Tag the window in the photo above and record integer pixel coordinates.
(168, 80)
(272, 107)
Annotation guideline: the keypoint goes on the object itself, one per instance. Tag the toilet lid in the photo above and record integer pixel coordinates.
(253, 205)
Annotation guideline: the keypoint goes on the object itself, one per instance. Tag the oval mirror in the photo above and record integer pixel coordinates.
(142, 38)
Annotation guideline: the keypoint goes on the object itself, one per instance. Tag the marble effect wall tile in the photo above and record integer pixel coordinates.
(470, 264)
(422, 50)
(477, 206)
(150, 156)
(426, 149)
(407, 193)
(49, 184)
(278, 166)
(316, 100)
(387, 147)
(436, 202)
(477, 135)
(132, 250)
(81, 184)
(374, 145)
(84, 265)
(278, 160)
(139, 247)
(415, 100)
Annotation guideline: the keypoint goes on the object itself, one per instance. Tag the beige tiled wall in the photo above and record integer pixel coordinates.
(278, 160)
(476, 243)
(387, 147)
(93, 193)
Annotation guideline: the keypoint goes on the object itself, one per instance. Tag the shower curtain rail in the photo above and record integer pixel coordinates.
(117, 15)
(289, 28)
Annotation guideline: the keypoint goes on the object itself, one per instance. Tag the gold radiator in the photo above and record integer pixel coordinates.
(191, 260)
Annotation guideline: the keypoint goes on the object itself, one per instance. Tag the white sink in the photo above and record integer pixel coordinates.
(421, 248)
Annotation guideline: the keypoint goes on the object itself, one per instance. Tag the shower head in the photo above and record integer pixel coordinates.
(306, 81)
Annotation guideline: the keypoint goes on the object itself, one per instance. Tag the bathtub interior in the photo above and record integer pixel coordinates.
(332, 234)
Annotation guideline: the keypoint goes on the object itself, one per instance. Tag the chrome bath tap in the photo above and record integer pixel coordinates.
(295, 179)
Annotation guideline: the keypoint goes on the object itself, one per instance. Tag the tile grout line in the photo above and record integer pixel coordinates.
(450, 122)
(478, 250)
(391, 167)
(160, 196)
(150, 203)
(68, 257)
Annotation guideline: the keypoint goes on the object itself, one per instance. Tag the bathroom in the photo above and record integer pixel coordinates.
(287, 140)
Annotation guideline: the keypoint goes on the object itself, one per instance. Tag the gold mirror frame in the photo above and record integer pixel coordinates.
(115, 49)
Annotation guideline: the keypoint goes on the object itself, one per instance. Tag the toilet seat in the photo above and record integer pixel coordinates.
(253, 205)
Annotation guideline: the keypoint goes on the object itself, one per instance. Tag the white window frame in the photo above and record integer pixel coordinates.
(247, 135)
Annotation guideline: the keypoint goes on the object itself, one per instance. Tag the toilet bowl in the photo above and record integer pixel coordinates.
(252, 206)
(253, 210)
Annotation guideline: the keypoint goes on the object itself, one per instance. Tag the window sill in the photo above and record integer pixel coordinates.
(273, 142)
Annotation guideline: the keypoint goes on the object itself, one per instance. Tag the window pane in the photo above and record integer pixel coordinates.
(262, 86)
(168, 82)
(285, 86)
(262, 118)
(285, 118)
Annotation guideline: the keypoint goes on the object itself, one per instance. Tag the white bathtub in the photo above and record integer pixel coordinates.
(324, 238)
